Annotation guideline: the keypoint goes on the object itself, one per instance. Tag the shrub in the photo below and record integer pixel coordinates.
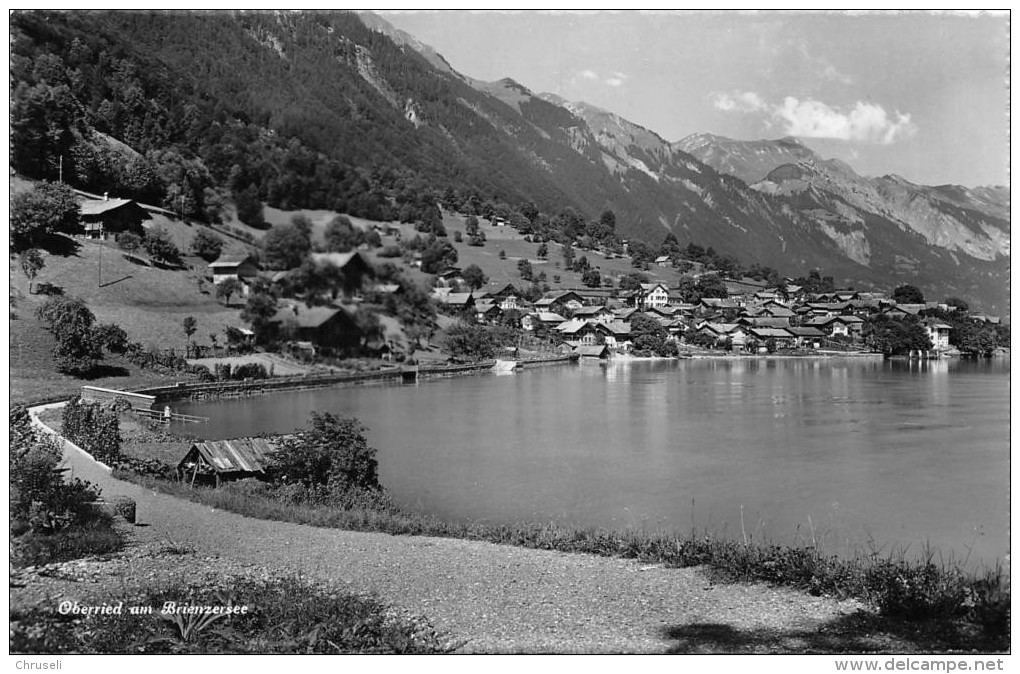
(77, 350)
(160, 247)
(128, 241)
(92, 428)
(207, 245)
(42, 504)
(112, 337)
(250, 371)
(333, 453)
(393, 250)
(916, 591)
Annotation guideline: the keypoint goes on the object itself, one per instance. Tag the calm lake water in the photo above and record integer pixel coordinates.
(842, 452)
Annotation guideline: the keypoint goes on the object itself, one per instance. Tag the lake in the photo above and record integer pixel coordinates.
(840, 452)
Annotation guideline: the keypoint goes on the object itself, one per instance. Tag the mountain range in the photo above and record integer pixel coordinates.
(352, 90)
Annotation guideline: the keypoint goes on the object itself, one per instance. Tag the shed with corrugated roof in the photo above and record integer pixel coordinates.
(219, 460)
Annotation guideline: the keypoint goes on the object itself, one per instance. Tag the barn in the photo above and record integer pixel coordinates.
(103, 216)
(215, 461)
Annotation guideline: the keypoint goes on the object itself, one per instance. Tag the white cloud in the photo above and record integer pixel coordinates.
(740, 101)
(864, 122)
(589, 74)
(614, 82)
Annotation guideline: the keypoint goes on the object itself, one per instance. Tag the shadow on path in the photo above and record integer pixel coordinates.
(855, 633)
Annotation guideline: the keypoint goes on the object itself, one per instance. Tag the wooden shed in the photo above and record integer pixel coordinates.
(218, 460)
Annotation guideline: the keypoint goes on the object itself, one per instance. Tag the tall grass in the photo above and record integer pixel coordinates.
(898, 587)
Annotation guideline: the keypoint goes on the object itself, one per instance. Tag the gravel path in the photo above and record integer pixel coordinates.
(495, 598)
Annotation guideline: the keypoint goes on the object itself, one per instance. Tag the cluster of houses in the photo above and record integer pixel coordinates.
(597, 322)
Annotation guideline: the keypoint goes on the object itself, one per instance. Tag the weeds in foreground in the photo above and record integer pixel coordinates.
(901, 589)
(284, 615)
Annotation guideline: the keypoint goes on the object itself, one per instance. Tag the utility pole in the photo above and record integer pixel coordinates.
(100, 263)
(61, 174)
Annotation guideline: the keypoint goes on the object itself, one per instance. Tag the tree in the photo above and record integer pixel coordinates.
(285, 246)
(908, 294)
(32, 262)
(633, 281)
(647, 334)
(112, 337)
(78, 350)
(160, 246)
(568, 256)
(333, 453)
(670, 246)
(471, 226)
(341, 236)
(249, 207)
(474, 277)
(895, 336)
(46, 209)
(524, 269)
(228, 288)
(190, 325)
(207, 245)
(543, 251)
(502, 254)
(437, 256)
(259, 310)
(591, 278)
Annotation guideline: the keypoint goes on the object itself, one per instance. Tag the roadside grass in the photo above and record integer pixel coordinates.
(98, 537)
(937, 594)
(283, 615)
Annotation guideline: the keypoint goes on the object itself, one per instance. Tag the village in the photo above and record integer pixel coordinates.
(318, 307)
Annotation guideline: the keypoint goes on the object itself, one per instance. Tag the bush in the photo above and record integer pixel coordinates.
(78, 350)
(42, 504)
(917, 591)
(128, 241)
(112, 337)
(250, 371)
(392, 250)
(333, 453)
(92, 428)
(160, 247)
(207, 245)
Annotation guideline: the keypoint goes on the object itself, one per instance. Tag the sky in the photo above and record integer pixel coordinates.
(918, 94)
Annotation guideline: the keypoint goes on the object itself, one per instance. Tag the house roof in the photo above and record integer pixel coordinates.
(770, 332)
(456, 298)
(619, 328)
(549, 317)
(231, 260)
(804, 332)
(340, 260)
(100, 206)
(720, 328)
(305, 316)
(770, 322)
(590, 311)
(591, 350)
(245, 455)
(485, 307)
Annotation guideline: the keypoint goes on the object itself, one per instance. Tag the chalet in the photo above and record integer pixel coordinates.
(487, 312)
(837, 326)
(903, 310)
(456, 302)
(353, 265)
(103, 216)
(804, 336)
(618, 335)
(663, 261)
(584, 332)
(773, 310)
(560, 301)
(215, 461)
(602, 314)
(547, 319)
(938, 333)
(722, 331)
(326, 327)
(243, 268)
(652, 295)
(625, 313)
(507, 297)
(782, 337)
